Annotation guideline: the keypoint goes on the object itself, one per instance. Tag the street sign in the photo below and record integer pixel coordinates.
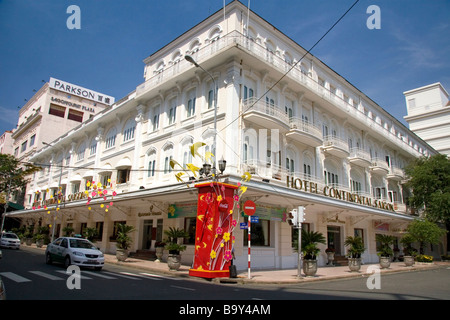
(254, 219)
(249, 208)
(243, 226)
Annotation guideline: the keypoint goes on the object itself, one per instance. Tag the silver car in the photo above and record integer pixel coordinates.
(74, 251)
(10, 240)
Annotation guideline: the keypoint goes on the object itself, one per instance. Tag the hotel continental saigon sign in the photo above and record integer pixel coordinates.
(335, 193)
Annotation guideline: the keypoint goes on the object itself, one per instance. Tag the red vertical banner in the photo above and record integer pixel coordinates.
(214, 238)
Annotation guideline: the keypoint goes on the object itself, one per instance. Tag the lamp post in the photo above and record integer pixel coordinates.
(191, 60)
(57, 196)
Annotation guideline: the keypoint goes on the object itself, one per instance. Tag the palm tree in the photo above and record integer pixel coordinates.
(310, 239)
(123, 240)
(356, 246)
(385, 241)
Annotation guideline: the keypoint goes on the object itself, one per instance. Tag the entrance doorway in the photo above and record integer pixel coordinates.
(152, 232)
(334, 239)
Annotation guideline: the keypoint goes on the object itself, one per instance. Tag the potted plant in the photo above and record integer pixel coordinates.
(39, 238)
(29, 235)
(356, 249)
(90, 234)
(408, 250)
(173, 245)
(310, 239)
(330, 255)
(123, 241)
(159, 250)
(385, 251)
(68, 231)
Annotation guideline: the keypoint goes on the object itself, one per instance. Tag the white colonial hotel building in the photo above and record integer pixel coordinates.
(313, 140)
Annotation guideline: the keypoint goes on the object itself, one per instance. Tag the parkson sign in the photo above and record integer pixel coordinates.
(335, 193)
(80, 91)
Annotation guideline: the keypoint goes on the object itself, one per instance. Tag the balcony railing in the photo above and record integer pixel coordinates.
(305, 126)
(264, 108)
(236, 39)
(378, 163)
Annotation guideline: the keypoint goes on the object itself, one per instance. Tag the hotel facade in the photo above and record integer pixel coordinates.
(311, 139)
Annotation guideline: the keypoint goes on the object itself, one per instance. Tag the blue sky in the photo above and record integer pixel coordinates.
(411, 49)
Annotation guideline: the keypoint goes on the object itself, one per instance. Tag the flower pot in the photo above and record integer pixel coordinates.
(354, 264)
(309, 267)
(159, 253)
(29, 241)
(330, 257)
(385, 262)
(121, 254)
(174, 261)
(39, 243)
(409, 261)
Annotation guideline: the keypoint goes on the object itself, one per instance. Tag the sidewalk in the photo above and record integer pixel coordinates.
(284, 276)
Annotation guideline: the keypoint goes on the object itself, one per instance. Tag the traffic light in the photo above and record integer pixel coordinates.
(301, 214)
(293, 218)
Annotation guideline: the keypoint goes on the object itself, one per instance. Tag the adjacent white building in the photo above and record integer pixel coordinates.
(311, 139)
(55, 109)
(428, 115)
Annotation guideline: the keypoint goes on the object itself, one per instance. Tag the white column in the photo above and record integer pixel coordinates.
(138, 145)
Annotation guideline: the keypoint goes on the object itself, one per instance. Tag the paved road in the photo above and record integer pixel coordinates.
(27, 277)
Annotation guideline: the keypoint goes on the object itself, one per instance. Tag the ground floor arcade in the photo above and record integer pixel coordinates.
(151, 211)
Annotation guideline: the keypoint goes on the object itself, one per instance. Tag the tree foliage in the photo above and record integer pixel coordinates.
(13, 174)
(429, 179)
(425, 232)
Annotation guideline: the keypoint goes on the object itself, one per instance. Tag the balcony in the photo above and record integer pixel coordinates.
(234, 43)
(395, 174)
(305, 132)
(359, 157)
(379, 166)
(336, 147)
(266, 115)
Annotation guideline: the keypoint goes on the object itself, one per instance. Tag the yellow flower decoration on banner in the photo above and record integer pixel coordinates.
(171, 210)
(213, 254)
(226, 236)
(219, 198)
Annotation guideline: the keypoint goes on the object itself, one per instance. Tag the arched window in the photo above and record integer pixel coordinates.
(128, 130)
(93, 147)
(80, 151)
(151, 160)
(190, 103)
(110, 140)
(168, 155)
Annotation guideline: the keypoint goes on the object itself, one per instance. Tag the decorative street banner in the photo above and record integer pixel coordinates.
(214, 230)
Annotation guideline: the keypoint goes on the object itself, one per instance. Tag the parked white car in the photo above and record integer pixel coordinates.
(2, 286)
(74, 251)
(9, 240)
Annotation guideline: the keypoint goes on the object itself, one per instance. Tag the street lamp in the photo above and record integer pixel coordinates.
(57, 195)
(191, 60)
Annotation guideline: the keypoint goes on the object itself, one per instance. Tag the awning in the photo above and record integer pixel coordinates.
(125, 162)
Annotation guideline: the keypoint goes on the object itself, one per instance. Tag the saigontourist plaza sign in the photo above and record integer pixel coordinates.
(333, 192)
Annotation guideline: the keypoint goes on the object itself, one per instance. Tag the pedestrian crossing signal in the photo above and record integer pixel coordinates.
(293, 218)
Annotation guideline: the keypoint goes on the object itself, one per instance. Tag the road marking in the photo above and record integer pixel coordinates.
(159, 276)
(97, 274)
(14, 277)
(122, 275)
(151, 276)
(184, 288)
(82, 277)
(46, 275)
